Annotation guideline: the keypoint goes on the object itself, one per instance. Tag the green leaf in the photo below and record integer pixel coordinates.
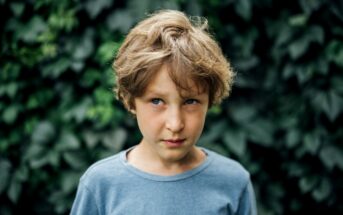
(55, 69)
(67, 141)
(114, 140)
(39, 162)
(90, 77)
(70, 181)
(331, 156)
(304, 73)
(12, 89)
(243, 8)
(43, 133)
(315, 34)
(22, 173)
(91, 138)
(53, 158)
(235, 141)
(288, 71)
(298, 20)
(310, 6)
(94, 7)
(242, 113)
(292, 138)
(107, 52)
(30, 32)
(298, 48)
(312, 142)
(63, 19)
(14, 191)
(17, 8)
(75, 159)
(330, 103)
(120, 20)
(10, 114)
(322, 191)
(296, 170)
(260, 131)
(34, 150)
(5, 169)
(85, 46)
(78, 112)
(213, 133)
(337, 84)
(307, 183)
(334, 52)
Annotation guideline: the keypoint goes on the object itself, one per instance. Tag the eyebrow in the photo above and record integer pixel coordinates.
(183, 94)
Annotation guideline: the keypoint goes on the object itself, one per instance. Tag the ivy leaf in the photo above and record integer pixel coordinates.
(292, 138)
(94, 7)
(115, 140)
(298, 48)
(67, 141)
(75, 159)
(43, 133)
(70, 181)
(298, 20)
(214, 132)
(243, 8)
(312, 142)
(235, 141)
(30, 32)
(14, 191)
(330, 103)
(91, 138)
(55, 69)
(10, 114)
(331, 156)
(307, 183)
(310, 6)
(334, 52)
(242, 113)
(85, 47)
(260, 131)
(120, 20)
(17, 8)
(322, 191)
(5, 168)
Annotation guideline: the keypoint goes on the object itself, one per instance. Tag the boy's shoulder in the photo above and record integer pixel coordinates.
(103, 169)
(227, 168)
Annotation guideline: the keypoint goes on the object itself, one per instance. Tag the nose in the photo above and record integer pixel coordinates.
(174, 120)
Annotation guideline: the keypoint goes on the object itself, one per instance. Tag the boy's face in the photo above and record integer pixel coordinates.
(170, 121)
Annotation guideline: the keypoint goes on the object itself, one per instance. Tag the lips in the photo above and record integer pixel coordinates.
(174, 142)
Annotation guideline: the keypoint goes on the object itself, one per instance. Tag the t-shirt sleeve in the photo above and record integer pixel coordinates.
(84, 202)
(247, 204)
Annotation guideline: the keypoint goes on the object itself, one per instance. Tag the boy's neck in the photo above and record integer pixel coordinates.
(142, 159)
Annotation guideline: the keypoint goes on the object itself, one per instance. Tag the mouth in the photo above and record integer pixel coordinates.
(174, 142)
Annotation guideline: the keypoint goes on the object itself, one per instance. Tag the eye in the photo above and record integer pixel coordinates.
(156, 101)
(191, 101)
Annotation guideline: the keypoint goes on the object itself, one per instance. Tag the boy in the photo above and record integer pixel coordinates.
(169, 72)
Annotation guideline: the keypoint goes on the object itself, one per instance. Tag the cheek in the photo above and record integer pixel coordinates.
(148, 121)
(196, 123)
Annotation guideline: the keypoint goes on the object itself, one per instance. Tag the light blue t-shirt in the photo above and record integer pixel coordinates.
(113, 186)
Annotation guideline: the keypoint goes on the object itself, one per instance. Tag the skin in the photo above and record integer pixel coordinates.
(171, 123)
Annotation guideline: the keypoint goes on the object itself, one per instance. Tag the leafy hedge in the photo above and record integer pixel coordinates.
(58, 113)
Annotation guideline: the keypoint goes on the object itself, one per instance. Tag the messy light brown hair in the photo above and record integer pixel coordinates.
(169, 38)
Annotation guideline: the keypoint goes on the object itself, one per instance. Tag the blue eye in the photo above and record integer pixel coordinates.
(191, 101)
(156, 101)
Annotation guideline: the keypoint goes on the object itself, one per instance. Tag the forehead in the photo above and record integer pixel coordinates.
(165, 80)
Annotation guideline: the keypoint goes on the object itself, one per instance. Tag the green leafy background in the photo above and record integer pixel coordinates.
(283, 121)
